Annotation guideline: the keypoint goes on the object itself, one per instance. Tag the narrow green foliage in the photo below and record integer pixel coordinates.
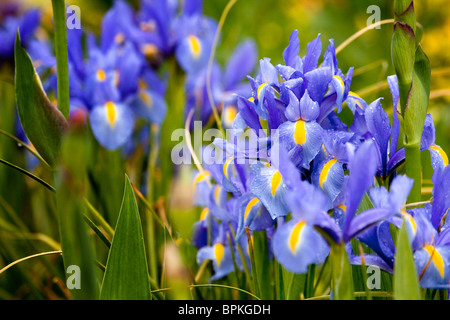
(62, 56)
(261, 251)
(76, 244)
(126, 276)
(342, 279)
(406, 283)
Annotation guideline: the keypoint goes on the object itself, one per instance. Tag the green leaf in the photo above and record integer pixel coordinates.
(341, 274)
(262, 261)
(126, 276)
(42, 122)
(77, 245)
(406, 282)
(62, 56)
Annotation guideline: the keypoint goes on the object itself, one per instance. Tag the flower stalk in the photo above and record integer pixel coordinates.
(414, 74)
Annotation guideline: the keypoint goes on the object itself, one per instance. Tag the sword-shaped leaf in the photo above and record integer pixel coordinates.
(126, 276)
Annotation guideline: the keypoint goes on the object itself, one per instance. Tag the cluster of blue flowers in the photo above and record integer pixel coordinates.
(305, 186)
(117, 80)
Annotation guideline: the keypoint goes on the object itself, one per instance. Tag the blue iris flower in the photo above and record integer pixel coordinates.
(27, 24)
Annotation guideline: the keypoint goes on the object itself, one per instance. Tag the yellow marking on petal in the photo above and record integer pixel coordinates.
(260, 88)
(217, 195)
(300, 132)
(149, 26)
(354, 94)
(146, 98)
(436, 258)
(251, 99)
(201, 177)
(111, 113)
(101, 75)
(441, 153)
(142, 84)
(225, 167)
(219, 252)
(249, 207)
(325, 171)
(410, 219)
(341, 82)
(342, 207)
(196, 46)
(275, 182)
(119, 38)
(150, 50)
(204, 213)
(229, 115)
(295, 236)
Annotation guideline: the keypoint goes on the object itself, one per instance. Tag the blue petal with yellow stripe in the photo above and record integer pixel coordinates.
(149, 105)
(221, 257)
(268, 186)
(329, 176)
(252, 214)
(112, 124)
(434, 263)
(305, 137)
(192, 53)
(297, 244)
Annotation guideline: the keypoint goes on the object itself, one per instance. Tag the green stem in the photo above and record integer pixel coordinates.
(413, 168)
(62, 64)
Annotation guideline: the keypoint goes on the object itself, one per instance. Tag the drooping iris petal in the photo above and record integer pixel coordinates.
(221, 257)
(252, 214)
(112, 124)
(200, 229)
(193, 53)
(306, 137)
(201, 187)
(372, 260)
(149, 105)
(269, 187)
(339, 86)
(437, 271)
(329, 176)
(296, 245)
(355, 103)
